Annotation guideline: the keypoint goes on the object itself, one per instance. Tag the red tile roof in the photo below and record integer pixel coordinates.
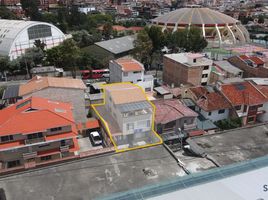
(90, 124)
(209, 101)
(257, 60)
(171, 110)
(254, 59)
(243, 94)
(34, 114)
(129, 65)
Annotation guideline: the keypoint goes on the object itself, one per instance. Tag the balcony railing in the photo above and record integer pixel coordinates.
(64, 148)
(36, 140)
(29, 155)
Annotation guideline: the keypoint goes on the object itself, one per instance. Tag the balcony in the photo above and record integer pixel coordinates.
(36, 140)
(64, 148)
(29, 155)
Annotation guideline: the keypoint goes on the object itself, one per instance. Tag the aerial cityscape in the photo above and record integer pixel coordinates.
(133, 99)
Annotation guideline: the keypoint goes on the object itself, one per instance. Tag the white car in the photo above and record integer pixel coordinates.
(95, 138)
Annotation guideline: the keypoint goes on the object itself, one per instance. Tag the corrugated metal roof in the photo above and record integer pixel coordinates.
(11, 91)
(228, 67)
(118, 45)
(128, 107)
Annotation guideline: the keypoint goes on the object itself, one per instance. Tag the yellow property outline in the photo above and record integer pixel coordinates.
(107, 127)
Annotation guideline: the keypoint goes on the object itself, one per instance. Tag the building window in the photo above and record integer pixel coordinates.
(39, 31)
(221, 111)
(13, 163)
(209, 113)
(44, 145)
(238, 107)
(136, 72)
(206, 67)
(23, 104)
(251, 119)
(204, 75)
(45, 158)
(204, 83)
(130, 126)
(245, 108)
(56, 129)
(148, 123)
(7, 138)
(125, 74)
(35, 136)
(194, 60)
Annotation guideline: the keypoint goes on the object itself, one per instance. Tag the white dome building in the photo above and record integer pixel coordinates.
(216, 27)
(17, 35)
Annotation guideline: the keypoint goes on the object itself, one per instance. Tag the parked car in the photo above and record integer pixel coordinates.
(95, 138)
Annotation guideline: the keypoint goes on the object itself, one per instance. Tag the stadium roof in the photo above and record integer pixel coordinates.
(118, 45)
(195, 16)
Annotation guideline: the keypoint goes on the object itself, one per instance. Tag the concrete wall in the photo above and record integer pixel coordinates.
(139, 122)
(74, 96)
(215, 116)
(17, 153)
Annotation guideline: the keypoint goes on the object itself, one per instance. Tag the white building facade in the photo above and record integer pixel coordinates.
(130, 70)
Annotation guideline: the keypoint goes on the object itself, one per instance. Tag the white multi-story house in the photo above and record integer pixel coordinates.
(129, 107)
(130, 70)
(127, 116)
(210, 103)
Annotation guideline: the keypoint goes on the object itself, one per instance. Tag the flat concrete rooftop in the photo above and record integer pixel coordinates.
(95, 177)
(237, 145)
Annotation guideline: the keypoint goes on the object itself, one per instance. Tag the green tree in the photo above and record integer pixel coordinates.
(5, 13)
(50, 18)
(157, 37)
(107, 30)
(70, 54)
(40, 44)
(5, 64)
(143, 48)
(84, 39)
(54, 56)
(31, 9)
(194, 40)
(261, 19)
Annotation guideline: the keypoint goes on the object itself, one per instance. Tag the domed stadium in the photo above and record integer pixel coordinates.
(216, 27)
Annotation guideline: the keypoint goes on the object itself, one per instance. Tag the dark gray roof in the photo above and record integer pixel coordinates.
(118, 45)
(11, 91)
(128, 107)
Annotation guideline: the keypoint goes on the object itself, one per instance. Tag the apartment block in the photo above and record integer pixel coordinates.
(34, 131)
(186, 68)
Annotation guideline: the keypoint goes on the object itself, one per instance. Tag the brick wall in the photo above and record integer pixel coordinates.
(178, 73)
